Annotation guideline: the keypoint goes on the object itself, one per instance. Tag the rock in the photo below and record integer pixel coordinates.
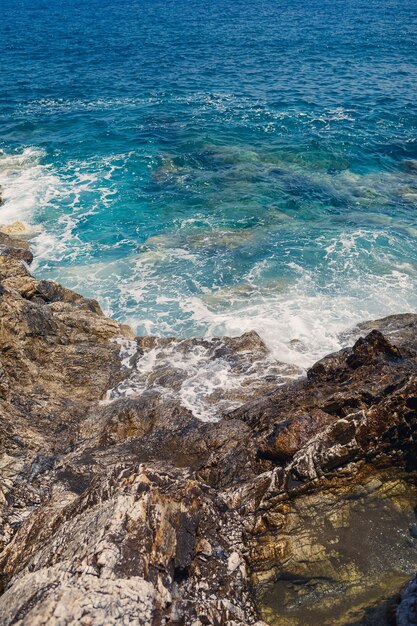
(48, 354)
(290, 435)
(406, 614)
(409, 166)
(72, 462)
(12, 268)
(15, 249)
(233, 562)
(400, 330)
(295, 503)
(327, 436)
(335, 547)
(46, 292)
(140, 561)
(15, 229)
(197, 370)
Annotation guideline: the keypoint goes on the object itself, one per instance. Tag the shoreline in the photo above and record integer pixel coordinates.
(299, 308)
(138, 508)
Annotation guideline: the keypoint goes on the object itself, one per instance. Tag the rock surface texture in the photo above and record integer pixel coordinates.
(120, 506)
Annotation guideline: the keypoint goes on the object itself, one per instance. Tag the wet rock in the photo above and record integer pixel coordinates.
(332, 552)
(406, 614)
(400, 330)
(16, 249)
(355, 413)
(210, 376)
(290, 435)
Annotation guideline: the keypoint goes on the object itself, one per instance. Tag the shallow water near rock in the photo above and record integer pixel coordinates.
(210, 377)
(359, 552)
(209, 169)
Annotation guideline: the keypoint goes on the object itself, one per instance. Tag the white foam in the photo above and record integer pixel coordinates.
(300, 321)
(27, 184)
(35, 192)
(303, 322)
(205, 385)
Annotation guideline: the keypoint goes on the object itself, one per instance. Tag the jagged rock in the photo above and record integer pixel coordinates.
(55, 359)
(119, 504)
(289, 436)
(400, 329)
(362, 401)
(142, 563)
(15, 249)
(201, 371)
(46, 292)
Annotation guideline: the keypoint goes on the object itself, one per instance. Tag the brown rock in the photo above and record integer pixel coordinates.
(119, 505)
(290, 435)
(15, 248)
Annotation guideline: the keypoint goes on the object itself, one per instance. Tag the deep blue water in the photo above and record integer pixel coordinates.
(210, 167)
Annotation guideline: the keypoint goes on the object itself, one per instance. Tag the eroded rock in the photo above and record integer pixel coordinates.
(121, 503)
(15, 248)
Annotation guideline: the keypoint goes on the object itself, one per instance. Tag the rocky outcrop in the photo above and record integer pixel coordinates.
(122, 502)
(15, 249)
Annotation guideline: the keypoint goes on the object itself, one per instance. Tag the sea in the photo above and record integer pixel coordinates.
(209, 168)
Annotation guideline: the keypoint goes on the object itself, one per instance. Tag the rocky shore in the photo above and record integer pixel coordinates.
(296, 507)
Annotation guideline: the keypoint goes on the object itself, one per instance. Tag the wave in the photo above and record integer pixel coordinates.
(54, 201)
(27, 184)
(169, 284)
(207, 376)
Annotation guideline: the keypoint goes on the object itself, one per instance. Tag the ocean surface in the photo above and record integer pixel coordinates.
(206, 168)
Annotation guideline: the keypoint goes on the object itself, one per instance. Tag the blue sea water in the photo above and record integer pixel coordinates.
(213, 167)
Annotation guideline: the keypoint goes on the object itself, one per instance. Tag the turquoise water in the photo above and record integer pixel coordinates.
(209, 168)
